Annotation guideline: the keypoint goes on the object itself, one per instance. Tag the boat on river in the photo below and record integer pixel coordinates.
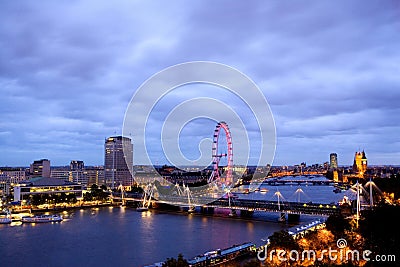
(41, 218)
(5, 220)
(5, 217)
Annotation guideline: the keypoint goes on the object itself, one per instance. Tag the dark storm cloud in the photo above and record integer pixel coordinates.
(330, 71)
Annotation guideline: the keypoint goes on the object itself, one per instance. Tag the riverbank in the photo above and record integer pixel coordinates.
(54, 208)
(268, 217)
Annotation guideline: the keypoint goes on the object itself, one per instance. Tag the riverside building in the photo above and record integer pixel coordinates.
(118, 161)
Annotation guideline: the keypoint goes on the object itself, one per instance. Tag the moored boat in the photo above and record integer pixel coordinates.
(41, 218)
(5, 217)
(5, 220)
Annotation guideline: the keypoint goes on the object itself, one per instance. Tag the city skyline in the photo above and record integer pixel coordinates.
(322, 162)
(329, 72)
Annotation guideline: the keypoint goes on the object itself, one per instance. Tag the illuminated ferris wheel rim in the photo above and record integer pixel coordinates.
(217, 156)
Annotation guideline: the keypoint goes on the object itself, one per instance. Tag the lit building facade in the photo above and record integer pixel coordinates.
(47, 186)
(118, 161)
(360, 163)
(4, 185)
(61, 173)
(95, 175)
(74, 173)
(15, 175)
(40, 168)
(333, 161)
(76, 165)
(77, 172)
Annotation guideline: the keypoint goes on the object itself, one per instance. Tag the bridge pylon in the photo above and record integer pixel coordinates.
(282, 215)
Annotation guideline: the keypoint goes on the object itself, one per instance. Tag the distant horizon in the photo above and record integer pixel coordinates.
(196, 166)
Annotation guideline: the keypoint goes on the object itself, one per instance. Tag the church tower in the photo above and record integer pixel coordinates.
(360, 163)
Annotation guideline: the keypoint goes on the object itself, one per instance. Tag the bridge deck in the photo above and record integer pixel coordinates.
(249, 204)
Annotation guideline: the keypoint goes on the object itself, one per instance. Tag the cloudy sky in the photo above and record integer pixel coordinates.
(330, 71)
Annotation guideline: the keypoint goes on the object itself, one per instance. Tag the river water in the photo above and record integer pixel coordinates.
(115, 236)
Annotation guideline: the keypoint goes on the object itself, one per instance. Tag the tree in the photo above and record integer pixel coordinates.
(103, 187)
(337, 224)
(63, 197)
(94, 187)
(37, 199)
(391, 185)
(180, 262)
(380, 229)
(252, 263)
(71, 198)
(87, 196)
(283, 240)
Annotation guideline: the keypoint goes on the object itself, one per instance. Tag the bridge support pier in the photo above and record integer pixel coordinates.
(293, 217)
(246, 213)
(207, 210)
(282, 217)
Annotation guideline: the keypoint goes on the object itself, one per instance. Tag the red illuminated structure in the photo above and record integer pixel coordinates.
(215, 176)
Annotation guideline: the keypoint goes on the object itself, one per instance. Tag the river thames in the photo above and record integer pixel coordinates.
(118, 236)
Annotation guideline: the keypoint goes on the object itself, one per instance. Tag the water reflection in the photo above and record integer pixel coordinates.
(146, 214)
(250, 227)
(16, 223)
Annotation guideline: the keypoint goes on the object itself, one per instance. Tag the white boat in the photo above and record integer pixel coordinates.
(264, 190)
(41, 218)
(5, 220)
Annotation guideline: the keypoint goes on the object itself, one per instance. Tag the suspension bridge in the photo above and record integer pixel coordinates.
(184, 198)
(277, 181)
(208, 197)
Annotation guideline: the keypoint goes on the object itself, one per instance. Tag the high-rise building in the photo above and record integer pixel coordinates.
(118, 161)
(333, 161)
(360, 163)
(77, 174)
(76, 165)
(40, 168)
(95, 175)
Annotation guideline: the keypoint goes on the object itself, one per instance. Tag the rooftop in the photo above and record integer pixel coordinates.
(44, 181)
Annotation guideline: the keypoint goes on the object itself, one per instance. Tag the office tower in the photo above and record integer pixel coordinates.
(76, 172)
(118, 161)
(333, 161)
(40, 168)
(76, 165)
